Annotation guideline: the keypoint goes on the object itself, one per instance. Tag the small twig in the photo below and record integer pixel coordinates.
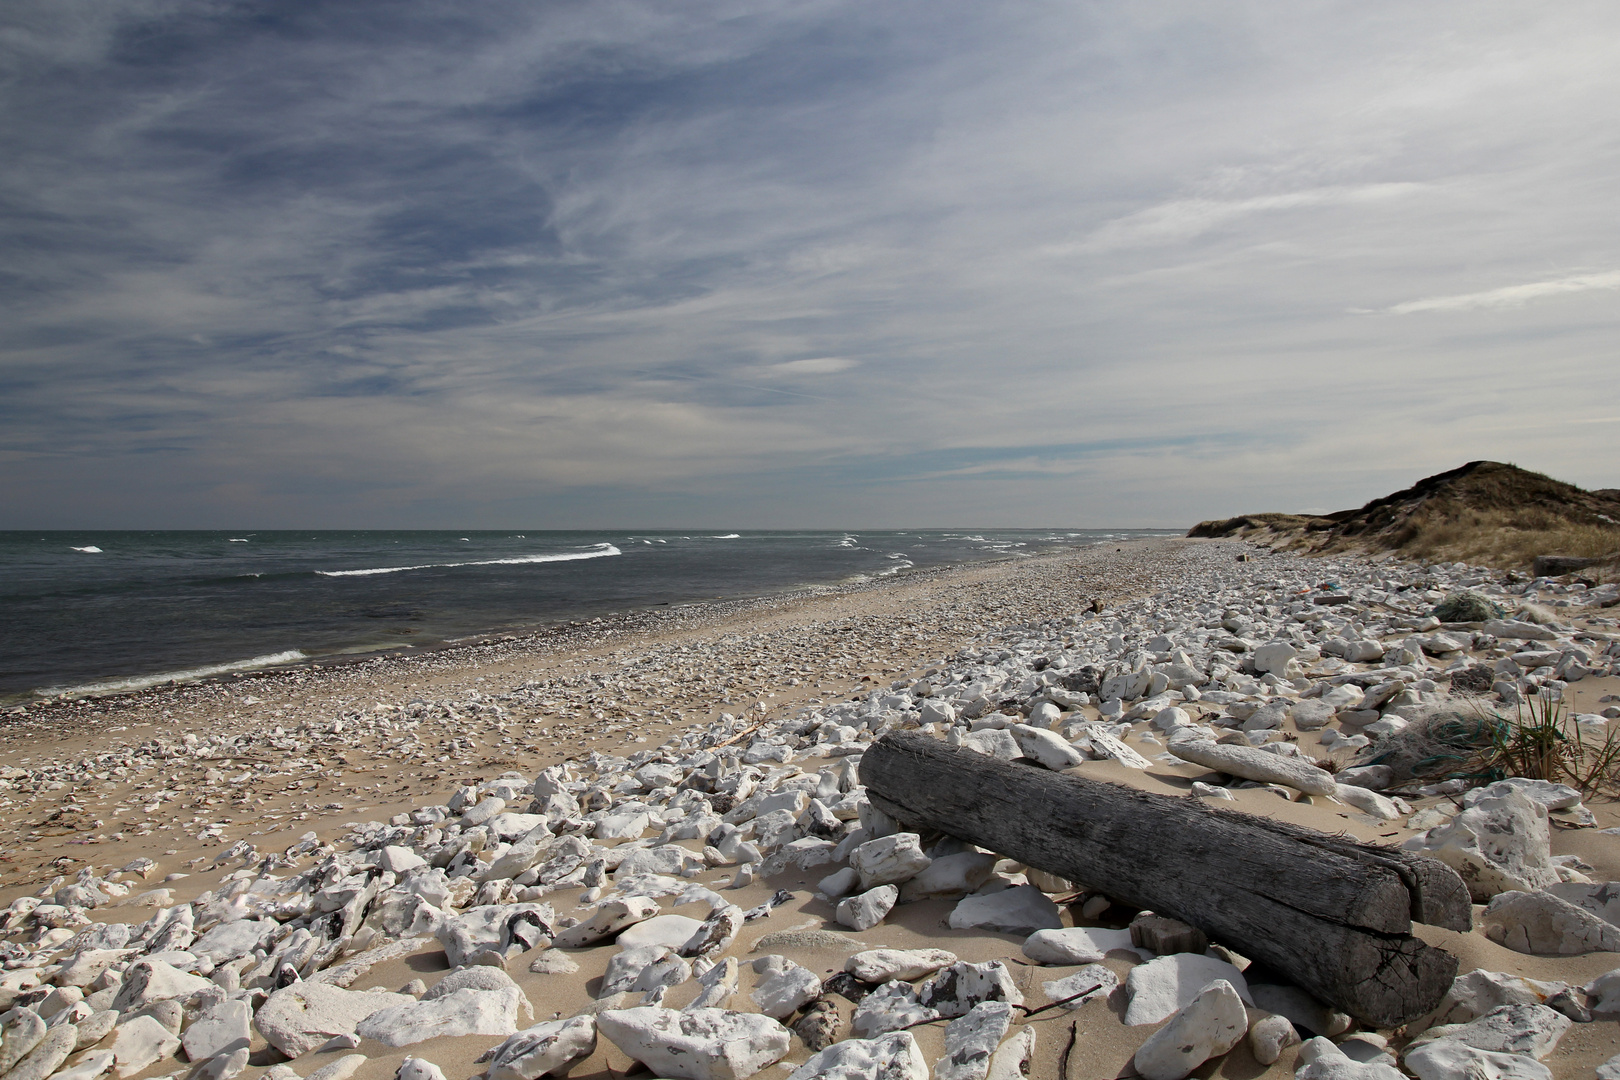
(1063, 1059)
(1028, 1012)
(740, 734)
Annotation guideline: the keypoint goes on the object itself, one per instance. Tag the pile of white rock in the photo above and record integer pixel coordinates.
(1222, 671)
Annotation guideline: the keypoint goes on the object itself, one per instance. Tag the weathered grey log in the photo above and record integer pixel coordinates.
(1333, 915)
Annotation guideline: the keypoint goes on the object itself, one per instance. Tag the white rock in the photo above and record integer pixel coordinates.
(670, 931)
(221, 1029)
(548, 1048)
(46, 1057)
(950, 876)
(147, 981)
(1302, 1010)
(890, 1007)
(1092, 981)
(231, 940)
(1078, 945)
(1539, 922)
(704, 1044)
(908, 965)
(1480, 991)
(399, 860)
(866, 910)
(1496, 845)
(1255, 764)
(1270, 1036)
(485, 927)
(1210, 1025)
(1321, 1060)
(626, 967)
(716, 986)
(484, 811)
(462, 1012)
(298, 1018)
(889, 860)
(1521, 631)
(971, 1039)
(954, 990)
(1508, 1029)
(1022, 910)
(1016, 1057)
(786, 989)
(1447, 1059)
(1368, 802)
(1105, 745)
(92, 1065)
(1552, 796)
(605, 920)
(993, 742)
(140, 1042)
(839, 884)
(21, 1029)
(1609, 1070)
(1166, 985)
(889, 1057)
(1045, 747)
(341, 1069)
(413, 1068)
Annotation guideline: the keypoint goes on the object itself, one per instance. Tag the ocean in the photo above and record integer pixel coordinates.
(102, 612)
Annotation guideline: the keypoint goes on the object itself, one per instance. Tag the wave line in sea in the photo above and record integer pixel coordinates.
(606, 550)
(141, 682)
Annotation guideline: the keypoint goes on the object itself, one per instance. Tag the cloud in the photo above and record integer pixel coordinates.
(1510, 295)
(777, 263)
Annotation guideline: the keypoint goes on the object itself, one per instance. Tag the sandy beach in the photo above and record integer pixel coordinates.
(208, 780)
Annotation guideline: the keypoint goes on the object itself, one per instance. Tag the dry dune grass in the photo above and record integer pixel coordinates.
(1484, 512)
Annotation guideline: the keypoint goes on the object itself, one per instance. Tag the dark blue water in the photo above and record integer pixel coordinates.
(103, 611)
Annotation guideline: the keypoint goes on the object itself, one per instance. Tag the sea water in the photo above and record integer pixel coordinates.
(99, 612)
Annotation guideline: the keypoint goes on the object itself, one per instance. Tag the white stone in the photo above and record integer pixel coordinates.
(1448, 1059)
(1517, 630)
(1016, 1058)
(1552, 796)
(1208, 1026)
(1273, 657)
(1480, 991)
(1270, 1036)
(889, 860)
(1092, 981)
(1045, 747)
(1105, 745)
(1539, 922)
(1609, 1070)
(221, 1029)
(994, 742)
(341, 1069)
(1368, 802)
(461, 1012)
(626, 967)
(139, 1043)
(704, 1044)
(484, 927)
(889, 1057)
(1166, 985)
(1255, 764)
(671, 931)
(1021, 910)
(548, 1048)
(716, 986)
(1496, 845)
(890, 1007)
(231, 940)
(786, 989)
(867, 909)
(1321, 1060)
(950, 877)
(1301, 1009)
(605, 920)
(839, 884)
(1508, 1029)
(954, 990)
(413, 1068)
(46, 1057)
(22, 1031)
(93, 1065)
(298, 1018)
(399, 860)
(908, 965)
(481, 813)
(1078, 945)
(147, 981)
(971, 1039)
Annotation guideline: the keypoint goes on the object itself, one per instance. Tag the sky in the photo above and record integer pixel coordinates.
(551, 264)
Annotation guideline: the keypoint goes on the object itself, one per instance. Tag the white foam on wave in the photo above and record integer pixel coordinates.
(602, 551)
(236, 540)
(141, 682)
(89, 549)
(727, 536)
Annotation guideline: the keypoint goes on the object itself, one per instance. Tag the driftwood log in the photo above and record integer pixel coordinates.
(1332, 915)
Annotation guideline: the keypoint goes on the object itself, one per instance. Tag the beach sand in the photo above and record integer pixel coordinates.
(316, 751)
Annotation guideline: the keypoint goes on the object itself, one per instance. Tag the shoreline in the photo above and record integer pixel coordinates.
(627, 619)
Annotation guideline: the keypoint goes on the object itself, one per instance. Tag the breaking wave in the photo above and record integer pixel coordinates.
(601, 551)
(141, 682)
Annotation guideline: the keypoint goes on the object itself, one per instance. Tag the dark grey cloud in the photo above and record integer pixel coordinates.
(792, 263)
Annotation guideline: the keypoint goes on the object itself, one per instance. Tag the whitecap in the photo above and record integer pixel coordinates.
(603, 551)
(90, 549)
(236, 540)
(728, 536)
(141, 682)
